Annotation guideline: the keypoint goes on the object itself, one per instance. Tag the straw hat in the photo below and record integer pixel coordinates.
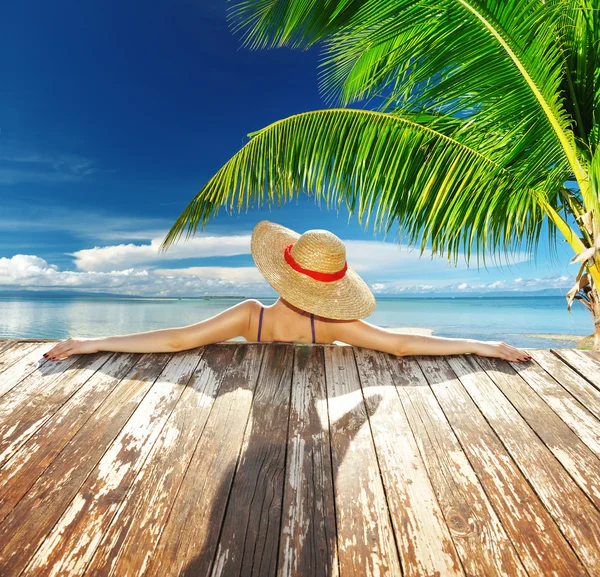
(310, 271)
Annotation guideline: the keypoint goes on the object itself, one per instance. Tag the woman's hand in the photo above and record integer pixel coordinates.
(501, 350)
(70, 347)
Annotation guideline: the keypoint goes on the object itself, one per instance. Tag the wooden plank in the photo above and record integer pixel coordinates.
(133, 534)
(586, 365)
(12, 352)
(424, 541)
(541, 547)
(24, 364)
(565, 501)
(73, 540)
(5, 345)
(576, 457)
(254, 506)
(572, 381)
(569, 410)
(308, 538)
(20, 420)
(480, 539)
(365, 532)
(26, 526)
(192, 531)
(29, 462)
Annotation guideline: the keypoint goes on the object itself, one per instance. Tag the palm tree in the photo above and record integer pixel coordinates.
(480, 121)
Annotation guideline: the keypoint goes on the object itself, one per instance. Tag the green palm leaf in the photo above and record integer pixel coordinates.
(431, 185)
(499, 62)
(497, 68)
(579, 29)
(295, 23)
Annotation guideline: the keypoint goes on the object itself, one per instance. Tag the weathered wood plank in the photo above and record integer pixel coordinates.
(12, 352)
(424, 541)
(21, 471)
(5, 346)
(69, 547)
(254, 506)
(366, 543)
(308, 537)
(541, 547)
(576, 457)
(569, 410)
(565, 501)
(21, 416)
(585, 364)
(7, 343)
(23, 365)
(26, 526)
(129, 543)
(571, 380)
(150, 521)
(482, 542)
(191, 534)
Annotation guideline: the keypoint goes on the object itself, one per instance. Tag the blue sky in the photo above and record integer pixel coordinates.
(112, 118)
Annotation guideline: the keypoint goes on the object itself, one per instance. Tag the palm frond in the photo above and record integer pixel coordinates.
(578, 28)
(294, 23)
(495, 63)
(432, 186)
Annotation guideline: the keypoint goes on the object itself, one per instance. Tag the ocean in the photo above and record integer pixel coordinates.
(509, 319)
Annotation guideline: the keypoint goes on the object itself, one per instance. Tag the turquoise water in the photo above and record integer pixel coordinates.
(507, 318)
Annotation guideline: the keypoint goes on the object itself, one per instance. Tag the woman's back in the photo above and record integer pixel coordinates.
(278, 324)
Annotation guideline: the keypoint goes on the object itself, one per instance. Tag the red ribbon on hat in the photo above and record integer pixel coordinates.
(322, 276)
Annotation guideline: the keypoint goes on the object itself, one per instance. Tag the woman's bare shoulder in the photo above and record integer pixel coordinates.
(331, 330)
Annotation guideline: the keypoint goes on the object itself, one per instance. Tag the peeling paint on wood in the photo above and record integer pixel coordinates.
(189, 539)
(578, 386)
(27, 524)
(293, 460)
(424, 540)
(130, 541)
(73, 540)
(366, 543)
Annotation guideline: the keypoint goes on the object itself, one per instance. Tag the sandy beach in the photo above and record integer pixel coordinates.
(570, 338)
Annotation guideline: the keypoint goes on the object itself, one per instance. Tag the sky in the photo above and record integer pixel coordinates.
(113, 115)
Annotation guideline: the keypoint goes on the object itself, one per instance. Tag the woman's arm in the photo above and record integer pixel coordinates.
(226, 325)
(363, 334)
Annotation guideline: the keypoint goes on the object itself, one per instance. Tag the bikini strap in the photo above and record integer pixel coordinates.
(312, 326)
(260, 322)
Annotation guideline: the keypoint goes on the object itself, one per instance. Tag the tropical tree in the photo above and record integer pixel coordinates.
(480, 121)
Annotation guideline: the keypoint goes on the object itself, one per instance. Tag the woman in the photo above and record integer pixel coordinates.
(315, 284)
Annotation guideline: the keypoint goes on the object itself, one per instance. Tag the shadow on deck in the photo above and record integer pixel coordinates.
(284, 459)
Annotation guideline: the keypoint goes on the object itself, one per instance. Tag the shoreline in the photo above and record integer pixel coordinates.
(555, 337)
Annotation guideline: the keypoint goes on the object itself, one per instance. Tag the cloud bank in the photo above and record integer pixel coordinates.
(33, 272)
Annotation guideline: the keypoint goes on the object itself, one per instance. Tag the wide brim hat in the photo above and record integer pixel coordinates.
(310, 271)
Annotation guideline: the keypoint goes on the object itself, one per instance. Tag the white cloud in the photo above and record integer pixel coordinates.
(375, 258)
(393, 258)
(559, 282)
(123, 255)
(29, 271)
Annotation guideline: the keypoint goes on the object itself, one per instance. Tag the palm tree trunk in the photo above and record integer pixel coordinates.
(592, 342)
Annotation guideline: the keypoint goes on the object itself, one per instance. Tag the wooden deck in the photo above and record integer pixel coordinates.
(282, 459)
